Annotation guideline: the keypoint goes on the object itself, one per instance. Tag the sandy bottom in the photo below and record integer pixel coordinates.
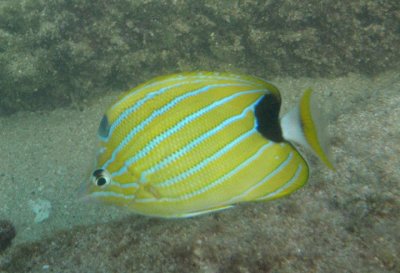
(344, 221)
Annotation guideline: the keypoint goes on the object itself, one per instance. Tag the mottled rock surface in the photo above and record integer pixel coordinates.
(55, 53)
(343, 221)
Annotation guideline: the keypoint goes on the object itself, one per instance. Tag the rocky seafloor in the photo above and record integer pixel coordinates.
(59, 62)
(343, 221)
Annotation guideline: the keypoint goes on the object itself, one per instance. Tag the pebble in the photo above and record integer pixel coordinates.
(41, 208)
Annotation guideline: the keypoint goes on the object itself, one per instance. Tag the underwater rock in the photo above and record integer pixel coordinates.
(7, 234)
(53, 61)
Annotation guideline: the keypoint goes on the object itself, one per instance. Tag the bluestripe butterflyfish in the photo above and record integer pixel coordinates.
(191, 143)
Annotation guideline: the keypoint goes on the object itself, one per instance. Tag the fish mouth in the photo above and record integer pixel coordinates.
(82, 192)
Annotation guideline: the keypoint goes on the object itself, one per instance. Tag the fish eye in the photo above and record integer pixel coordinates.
(101, 177)
(101, 181)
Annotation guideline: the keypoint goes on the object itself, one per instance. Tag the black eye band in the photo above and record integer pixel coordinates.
(98, 173)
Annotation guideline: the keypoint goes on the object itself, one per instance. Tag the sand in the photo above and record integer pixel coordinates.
(343, 221)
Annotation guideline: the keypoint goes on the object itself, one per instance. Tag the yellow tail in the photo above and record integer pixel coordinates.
(304, 125)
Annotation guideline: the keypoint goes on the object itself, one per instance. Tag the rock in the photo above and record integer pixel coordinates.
(7, 234)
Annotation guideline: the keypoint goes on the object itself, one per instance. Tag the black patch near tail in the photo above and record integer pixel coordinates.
(267, 116)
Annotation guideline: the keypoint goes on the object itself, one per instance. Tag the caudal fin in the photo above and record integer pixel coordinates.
(304, 125)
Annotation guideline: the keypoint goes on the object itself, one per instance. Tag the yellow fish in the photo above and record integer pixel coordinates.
(186, 144)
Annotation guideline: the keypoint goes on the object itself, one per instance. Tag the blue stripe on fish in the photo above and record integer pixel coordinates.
(208, 160)
(157, 140)
(192, 143)
(196, 141)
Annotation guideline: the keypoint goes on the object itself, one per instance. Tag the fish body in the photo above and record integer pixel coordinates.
(191, 143)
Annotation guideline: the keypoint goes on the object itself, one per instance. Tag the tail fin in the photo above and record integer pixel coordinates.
(304, 125)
